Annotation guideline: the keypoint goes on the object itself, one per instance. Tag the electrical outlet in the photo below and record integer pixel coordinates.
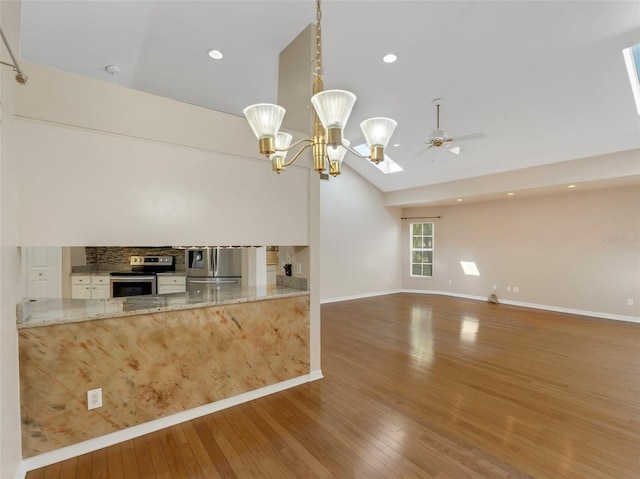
(629, 302)
(94, 398)
(516, 289)
(450, 282)
(508, 289)
(289, 258)
(298, 268)
(495, 287)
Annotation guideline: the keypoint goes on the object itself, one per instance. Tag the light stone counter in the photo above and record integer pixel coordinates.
(152, 356)
(33, 313)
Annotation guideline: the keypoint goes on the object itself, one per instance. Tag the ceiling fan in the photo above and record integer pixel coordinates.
(440, 137)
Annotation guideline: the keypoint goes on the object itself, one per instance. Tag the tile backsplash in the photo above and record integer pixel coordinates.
(117, 255)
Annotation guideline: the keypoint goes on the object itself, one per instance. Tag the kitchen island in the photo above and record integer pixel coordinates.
(152, 356)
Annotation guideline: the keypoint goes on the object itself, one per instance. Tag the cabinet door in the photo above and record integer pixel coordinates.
(44, 272)
(81, 291)
(165, 289)
(100, 292)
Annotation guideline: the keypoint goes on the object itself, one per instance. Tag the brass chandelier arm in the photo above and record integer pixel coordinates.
(354, 152)
(298, 143)
(376, 155)
(289, 163)
(20, 76)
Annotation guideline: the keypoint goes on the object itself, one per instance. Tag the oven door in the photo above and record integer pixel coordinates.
(133, 285)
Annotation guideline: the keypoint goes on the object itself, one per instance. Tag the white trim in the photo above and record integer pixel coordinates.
(557, 309)
(110, 439)
(360, 296)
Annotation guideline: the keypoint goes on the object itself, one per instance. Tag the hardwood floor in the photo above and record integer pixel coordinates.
(420, 386)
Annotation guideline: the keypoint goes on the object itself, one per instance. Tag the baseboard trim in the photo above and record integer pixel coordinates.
(110, 439)
(360, 296)
(545, 307)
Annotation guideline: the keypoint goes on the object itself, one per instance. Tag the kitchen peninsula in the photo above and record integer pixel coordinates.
(152, 356)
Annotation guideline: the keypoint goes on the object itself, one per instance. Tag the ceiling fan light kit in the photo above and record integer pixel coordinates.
(331, 112)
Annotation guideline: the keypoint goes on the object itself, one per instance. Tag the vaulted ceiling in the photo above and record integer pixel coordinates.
(544, 81)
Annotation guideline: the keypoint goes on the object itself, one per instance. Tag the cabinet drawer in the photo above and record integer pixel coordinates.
(81, 279)
(171, 280)
(100, 279)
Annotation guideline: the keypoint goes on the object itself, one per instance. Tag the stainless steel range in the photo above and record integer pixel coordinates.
(141, 280)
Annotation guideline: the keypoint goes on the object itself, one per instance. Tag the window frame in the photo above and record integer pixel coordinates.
(412, 249)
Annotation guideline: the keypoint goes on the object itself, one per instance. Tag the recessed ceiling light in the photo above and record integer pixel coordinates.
(396, 145)
(459, 199)
(510, 194)
(216, 54)
(571, 186)
(389, 58)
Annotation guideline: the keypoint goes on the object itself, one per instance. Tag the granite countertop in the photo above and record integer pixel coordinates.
(32, 313)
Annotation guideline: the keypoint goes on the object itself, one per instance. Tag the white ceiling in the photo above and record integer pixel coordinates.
(544, 80)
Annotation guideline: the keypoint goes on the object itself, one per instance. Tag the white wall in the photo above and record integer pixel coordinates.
(81, 187)
(360, 238)
(576, 250)
(11, 289)
(122, 167)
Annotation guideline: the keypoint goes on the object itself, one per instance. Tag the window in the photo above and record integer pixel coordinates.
(422, 249)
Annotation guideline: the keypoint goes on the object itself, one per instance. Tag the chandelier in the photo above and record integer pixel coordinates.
(331, 112)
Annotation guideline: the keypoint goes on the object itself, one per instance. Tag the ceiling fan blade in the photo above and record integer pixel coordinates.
(455, 150)
(424, 149)
(473, 136)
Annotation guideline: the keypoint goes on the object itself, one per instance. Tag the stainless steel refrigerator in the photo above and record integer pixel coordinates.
(208, 268)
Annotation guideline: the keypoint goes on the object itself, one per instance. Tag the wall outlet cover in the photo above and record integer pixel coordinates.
(94, 398)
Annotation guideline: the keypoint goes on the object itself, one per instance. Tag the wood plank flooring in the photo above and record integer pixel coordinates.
(424, 387)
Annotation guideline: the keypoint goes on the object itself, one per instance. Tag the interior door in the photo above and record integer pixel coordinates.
(44, 272)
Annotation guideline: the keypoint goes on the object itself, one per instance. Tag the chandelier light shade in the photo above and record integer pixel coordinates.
(331, 112)
(377, 133)
(333, 108)
(336, 155)
(265, 120)
(282, 144)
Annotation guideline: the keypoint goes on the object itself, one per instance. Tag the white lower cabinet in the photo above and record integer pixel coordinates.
(171, 284)
(94, 286)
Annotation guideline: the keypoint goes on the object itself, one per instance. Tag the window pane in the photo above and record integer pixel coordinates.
(416, 270)
(428, 229)
(427, 270)
(417, 229)
(427, 257)
(417, 257)
(428, 243)
(418, 242)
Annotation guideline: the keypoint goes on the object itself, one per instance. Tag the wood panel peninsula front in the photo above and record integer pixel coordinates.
(153, 356)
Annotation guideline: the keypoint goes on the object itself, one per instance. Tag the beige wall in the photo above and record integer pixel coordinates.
(360, 239)
(11, 288)
(577, 250)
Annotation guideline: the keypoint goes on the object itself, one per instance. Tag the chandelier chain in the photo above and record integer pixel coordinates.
(318, 70)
